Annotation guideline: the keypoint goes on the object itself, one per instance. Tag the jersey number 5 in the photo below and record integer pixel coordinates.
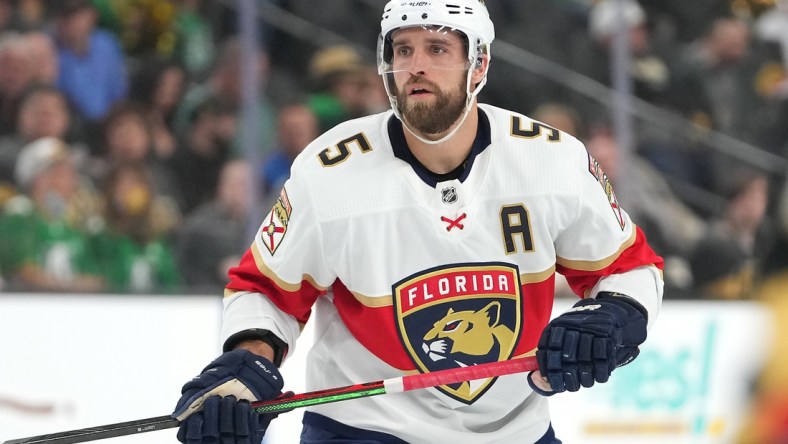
(330, 157)
(553, 135)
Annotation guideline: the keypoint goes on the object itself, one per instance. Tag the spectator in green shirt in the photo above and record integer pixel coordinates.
(44, 246)
(132, 250)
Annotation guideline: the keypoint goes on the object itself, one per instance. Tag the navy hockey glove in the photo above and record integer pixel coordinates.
(585, 344)
(214, 406)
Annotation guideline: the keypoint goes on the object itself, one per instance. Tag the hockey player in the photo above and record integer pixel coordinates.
(428, 237)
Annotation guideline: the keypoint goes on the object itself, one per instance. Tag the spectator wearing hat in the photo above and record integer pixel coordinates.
(92, 70)
(44, 246)
(338, 82)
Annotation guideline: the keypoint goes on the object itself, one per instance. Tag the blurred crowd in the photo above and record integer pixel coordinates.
(120, 147)
(122, 168)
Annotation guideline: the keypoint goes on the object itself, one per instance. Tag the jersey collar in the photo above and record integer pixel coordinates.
(401, 150)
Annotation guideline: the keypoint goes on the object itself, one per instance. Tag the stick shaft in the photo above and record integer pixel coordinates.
(320, 397)
(401, 384)
(102, 432)
(481, 371)
(393, 385)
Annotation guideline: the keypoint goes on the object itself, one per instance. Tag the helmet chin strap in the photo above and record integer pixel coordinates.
(470, 97)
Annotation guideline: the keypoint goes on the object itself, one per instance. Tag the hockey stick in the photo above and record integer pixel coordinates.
(392, 385)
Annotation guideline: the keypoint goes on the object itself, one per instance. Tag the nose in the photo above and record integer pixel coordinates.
(419, 63)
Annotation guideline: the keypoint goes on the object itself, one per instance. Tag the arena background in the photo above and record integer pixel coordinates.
(713, 369)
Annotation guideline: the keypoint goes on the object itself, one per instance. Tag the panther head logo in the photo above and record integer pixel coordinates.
(460, 315)
(469, 337)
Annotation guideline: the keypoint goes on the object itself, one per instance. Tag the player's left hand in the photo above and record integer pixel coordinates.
(215, 405)
(585, 344)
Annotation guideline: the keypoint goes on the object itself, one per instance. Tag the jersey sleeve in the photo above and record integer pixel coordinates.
(282, 273)
(601, 249)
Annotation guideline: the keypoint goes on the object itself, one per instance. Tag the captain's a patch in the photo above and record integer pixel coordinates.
(275, 226)
(596, 170)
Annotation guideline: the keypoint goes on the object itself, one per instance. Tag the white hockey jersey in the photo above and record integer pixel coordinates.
(408, 275)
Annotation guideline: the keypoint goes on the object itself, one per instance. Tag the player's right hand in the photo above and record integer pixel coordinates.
(215, 405)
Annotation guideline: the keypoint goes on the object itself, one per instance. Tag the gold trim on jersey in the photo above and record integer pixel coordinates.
(267, 272)
(388, 301)
(373, 301)
(598, 264)
(535, 278)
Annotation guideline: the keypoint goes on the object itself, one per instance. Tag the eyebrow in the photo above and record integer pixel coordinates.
(433, 40)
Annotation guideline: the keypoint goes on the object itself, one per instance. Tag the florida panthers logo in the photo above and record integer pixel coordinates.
(460, 316)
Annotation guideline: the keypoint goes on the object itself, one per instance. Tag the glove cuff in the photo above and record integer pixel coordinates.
(622, 300)
(279, 346)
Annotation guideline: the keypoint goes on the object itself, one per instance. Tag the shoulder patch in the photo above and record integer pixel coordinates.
(596, 170)
(273, 230)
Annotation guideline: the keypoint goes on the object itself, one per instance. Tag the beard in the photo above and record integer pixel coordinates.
(435, 118)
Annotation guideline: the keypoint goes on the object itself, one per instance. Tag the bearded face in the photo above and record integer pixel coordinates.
(431, 116)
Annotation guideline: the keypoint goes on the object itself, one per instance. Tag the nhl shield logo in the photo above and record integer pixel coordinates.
(458, 316)
(275, 226)
(449, 195)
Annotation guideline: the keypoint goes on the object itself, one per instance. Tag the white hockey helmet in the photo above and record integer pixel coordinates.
(470, 17)
(467, 17)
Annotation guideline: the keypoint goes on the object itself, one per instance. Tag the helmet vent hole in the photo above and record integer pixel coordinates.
(424, 16)
(404, 17)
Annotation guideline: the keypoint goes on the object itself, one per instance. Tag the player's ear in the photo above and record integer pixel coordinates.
(480, 68)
